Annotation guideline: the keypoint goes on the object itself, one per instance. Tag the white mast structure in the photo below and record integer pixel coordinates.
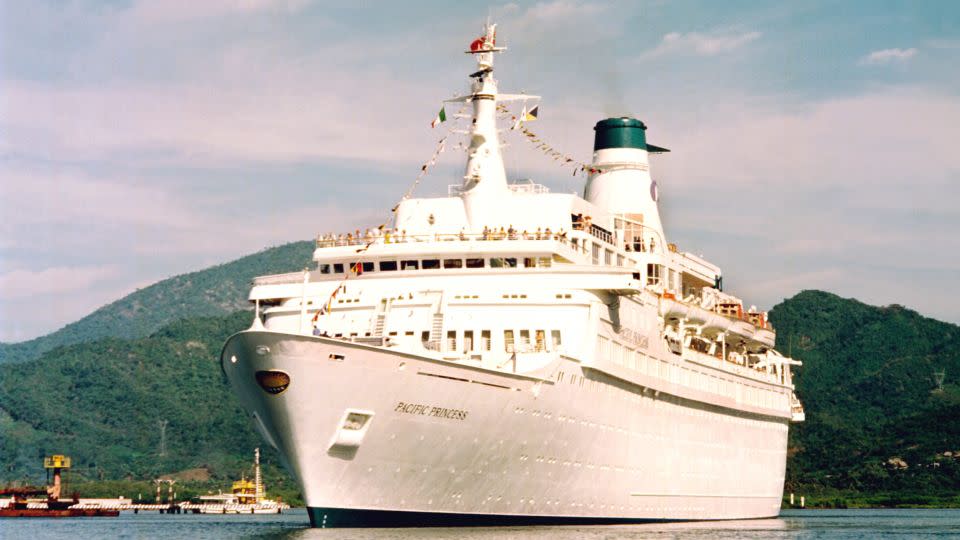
(257, 480)
(485, 179)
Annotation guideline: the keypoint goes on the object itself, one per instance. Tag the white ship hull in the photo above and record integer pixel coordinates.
(565, 444)
(506, 355)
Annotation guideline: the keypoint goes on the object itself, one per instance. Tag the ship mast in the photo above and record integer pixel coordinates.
(485, 179)
(484, 171)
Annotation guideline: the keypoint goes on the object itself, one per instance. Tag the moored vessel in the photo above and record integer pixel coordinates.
(508, 355)
(245, 497)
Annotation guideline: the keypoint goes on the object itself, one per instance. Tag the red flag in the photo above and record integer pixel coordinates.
(478, 44)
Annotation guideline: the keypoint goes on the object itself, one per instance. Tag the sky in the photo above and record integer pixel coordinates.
(813, 143)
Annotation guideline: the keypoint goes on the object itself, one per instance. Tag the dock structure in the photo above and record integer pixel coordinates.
(246, 497)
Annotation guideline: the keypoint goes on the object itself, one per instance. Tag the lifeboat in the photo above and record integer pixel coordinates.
(765, 337)
(742, 330)
(672, 309)
(714, 324)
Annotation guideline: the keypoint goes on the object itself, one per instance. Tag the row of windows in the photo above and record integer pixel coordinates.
(513, 341)
(435, 264)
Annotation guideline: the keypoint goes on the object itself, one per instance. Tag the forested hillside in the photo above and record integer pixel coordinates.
(218, 290)
(101, 403)
(880, 387)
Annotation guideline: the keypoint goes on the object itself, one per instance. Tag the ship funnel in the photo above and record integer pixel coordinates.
(620, 180)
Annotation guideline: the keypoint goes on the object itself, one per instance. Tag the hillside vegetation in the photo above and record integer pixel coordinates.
(880, 420)
(102, 403)
(218, 290)
(881, 424)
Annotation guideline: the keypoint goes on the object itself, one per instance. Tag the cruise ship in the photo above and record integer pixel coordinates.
(506, 355)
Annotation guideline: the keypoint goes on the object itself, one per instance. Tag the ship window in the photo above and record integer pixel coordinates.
(392, 334)
(596, 253)
(530, 262)
(508, 341)
(524, 340)
(545, 262)
(541, 341)
(451, 340)
(475, 263)
(425, 336)
(453, 263)
(324, 268)
(388, 266)
(619, 260)
(367, 266)
(608, 257)
(496, 262)
(510, 262)
(431, 264)
(409, 265)
(485, 340)
(555, 339)
(467, 340)
(338, 268)
(653, 274)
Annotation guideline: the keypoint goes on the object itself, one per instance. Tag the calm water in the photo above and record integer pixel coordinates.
(833, 524)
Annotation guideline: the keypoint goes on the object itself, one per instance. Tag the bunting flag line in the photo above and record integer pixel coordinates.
(532, 114)
(518, 121)
(441, 117)
(357, 268)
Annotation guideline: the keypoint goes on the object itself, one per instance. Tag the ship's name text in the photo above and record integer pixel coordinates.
(423, 409)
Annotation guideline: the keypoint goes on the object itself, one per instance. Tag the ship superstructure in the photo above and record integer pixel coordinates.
(507, 355)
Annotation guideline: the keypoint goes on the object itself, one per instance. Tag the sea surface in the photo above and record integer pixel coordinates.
(833, 524)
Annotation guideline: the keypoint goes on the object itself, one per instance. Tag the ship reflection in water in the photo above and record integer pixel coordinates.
(294, 525)
(757, 528)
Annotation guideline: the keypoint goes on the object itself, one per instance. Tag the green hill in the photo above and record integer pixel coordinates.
(879, 421)
(218, 290)
(881, 426)
(102, 402)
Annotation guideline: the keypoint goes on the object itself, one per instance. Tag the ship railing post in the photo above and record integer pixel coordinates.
(303, 298)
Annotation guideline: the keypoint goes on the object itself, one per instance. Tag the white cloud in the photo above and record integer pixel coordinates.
(701, 44)
(852, 194)
(64, 197)
(887, 56)
(166, 11)
(18, 284)
(291, 120)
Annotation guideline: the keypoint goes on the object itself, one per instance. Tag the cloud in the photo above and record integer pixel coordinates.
(887, 56)
(292, 120)
(19, 284)
(851, 194)
(546, 13)
(701, 44)
(163, 11)
(943, 43)
(67, 198)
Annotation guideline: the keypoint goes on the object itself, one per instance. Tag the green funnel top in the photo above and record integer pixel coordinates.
(623, 132)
